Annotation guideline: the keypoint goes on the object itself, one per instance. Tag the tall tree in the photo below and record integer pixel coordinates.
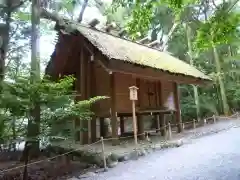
(33, 128)
(84, 6)
(190, 54)
(7, 7)
(219, 29)
(4, 36)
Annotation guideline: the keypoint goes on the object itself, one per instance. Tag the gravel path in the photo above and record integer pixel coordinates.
(214, 157)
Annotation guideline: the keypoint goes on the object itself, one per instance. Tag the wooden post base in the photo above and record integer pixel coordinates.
(140, 127)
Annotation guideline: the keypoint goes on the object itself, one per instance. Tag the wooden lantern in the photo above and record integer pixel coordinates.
(133, 93)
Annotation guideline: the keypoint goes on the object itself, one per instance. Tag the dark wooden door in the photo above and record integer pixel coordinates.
(151, 94)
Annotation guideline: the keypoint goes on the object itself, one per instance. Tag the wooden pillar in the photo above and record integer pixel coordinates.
(178, 110)
(102, 128)
(93, 123)
(122, 128)
(157, 119)
(158, 104)
(83, 81)
(140, 126)
(114, 122)
(162, 124)
(139, 102)
(76, 122)
(140, 122)
(76, 132)
(89, 93)
(93, 129)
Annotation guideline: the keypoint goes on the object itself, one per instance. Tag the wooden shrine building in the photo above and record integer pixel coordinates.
(107, 65)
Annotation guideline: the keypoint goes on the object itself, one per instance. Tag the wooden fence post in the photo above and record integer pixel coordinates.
(214, 119)
(183, 126)
(169, 131)
(147, 138)
(194, 124)
(103, 155)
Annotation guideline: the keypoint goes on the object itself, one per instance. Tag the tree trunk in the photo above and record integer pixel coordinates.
(33, 128)
(14, 132)
(25, 170)
(165, 44)
(221, 83)
(5, 33)
(190, 54)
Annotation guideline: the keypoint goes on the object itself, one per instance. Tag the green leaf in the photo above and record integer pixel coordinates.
(22, 16)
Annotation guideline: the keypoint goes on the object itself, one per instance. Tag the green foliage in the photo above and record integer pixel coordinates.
(56, 100)
(221, 28)
(23, 16)
(69, 5)
(143, 13)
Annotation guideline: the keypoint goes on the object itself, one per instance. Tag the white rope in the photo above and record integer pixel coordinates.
(47, 159)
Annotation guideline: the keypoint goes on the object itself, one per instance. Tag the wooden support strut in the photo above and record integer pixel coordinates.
(89, 94)
(140, 126)
(162, 121)
(93, 93)
(84, 88)
(158, 104)
(90, 90)
(102, 127)
(114, 122)
(178, 110)
(157, 119)
(140, 122)
(122, 128)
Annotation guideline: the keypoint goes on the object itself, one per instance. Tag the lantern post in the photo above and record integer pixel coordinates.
(133, 98)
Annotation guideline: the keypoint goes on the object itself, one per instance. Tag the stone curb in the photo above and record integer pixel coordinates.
(113, 159)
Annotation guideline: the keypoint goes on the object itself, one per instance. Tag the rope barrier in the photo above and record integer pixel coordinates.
(149, 131)
(47, 159)
(209, 118)
(122, 137)
(162, 128)
(236, 114)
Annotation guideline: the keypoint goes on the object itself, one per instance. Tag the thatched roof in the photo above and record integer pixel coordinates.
(121, 49)
(116, 48)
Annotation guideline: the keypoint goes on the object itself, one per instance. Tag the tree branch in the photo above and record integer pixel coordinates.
(12, 8)
(82, 11)
(49, 16)
(234, 3)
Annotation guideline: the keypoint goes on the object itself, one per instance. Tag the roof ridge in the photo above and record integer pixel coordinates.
(98, 30)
